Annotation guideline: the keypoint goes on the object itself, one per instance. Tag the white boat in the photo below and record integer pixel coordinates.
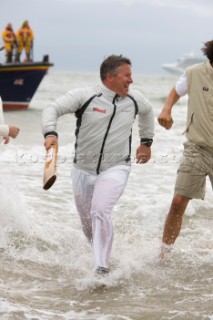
(180, 65)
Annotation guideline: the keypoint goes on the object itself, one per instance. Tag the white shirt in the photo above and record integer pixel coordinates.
(4, 129)
(181, 85)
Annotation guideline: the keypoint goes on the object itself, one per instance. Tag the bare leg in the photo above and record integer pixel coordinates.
(173, 222)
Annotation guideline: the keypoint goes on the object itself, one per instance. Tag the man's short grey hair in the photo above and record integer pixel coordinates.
(111, 64)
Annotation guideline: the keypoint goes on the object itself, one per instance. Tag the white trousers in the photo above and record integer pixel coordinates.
(95, 197)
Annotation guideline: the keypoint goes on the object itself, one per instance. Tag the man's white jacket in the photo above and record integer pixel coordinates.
(103, 126)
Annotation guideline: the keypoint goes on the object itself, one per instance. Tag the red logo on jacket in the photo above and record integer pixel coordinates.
(99, 110)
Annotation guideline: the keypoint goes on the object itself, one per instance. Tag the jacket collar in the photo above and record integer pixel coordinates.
(107, 92)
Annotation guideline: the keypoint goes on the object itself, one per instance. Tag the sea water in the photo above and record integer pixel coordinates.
(46, 265)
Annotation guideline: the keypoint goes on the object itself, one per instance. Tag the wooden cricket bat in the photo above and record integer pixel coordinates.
(50, 167)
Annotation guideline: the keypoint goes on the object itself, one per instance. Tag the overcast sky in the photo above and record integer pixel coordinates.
(78, 34)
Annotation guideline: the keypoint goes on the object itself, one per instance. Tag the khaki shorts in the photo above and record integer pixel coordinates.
(195, 165)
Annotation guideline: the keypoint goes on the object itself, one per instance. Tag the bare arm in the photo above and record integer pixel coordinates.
(165, 118)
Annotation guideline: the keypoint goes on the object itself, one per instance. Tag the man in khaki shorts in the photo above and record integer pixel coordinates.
(197, 160)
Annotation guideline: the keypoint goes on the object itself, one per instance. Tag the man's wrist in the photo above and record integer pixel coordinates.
(51, 133)
(146, 142)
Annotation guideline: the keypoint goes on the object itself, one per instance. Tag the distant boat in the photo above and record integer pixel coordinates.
(19, 82)
(182, 63)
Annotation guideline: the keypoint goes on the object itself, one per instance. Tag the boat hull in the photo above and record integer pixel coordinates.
(19, 82)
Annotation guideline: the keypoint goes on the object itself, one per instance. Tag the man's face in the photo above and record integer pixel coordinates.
(120, 82)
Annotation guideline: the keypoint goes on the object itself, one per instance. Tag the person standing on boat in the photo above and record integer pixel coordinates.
(6, 131)
(197, 160)
(9, 38)
(105, 116)
(25, 37)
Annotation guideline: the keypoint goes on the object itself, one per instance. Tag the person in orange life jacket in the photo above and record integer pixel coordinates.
(9, 39)
(6, 131)
(24, 37)
(197, 161)
(105, 116)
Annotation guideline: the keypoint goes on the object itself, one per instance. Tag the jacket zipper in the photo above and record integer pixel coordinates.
(105, 137)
